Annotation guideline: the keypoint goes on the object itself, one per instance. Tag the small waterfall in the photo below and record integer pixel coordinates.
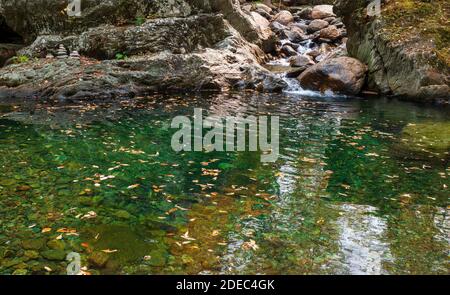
(282, 65)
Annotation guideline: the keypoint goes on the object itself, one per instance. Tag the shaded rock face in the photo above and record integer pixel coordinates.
(407, 66)
(173, 34)
(32, 18)
(183, 45)
(341, 75)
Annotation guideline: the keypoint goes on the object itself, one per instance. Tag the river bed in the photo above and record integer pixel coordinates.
(347, 195)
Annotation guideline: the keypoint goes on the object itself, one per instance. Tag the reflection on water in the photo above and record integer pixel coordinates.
(361, 240)
(346, 195)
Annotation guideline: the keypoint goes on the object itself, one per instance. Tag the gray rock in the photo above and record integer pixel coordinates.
(317, 25)
(341, 75)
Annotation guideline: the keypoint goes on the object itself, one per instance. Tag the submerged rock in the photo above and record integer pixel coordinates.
(433, 137)
(98, 259)
(342, 75)
(34, 244)
(54, 254)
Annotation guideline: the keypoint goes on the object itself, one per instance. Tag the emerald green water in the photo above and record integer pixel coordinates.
(352, 191)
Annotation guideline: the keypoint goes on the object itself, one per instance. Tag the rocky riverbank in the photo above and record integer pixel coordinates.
(184, 46)
(406, 47)
(191, 45)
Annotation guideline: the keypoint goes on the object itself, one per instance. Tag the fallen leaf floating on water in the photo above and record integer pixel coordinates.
(308, 160)
(187, 237)
(89, 215)
(47, 268)
(133, 186)
(66, 230)
(109, 251)
(46, 229)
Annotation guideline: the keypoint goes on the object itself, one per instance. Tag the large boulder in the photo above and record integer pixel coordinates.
(322, 11)
(406, 56)
(317, 25)
(331, 33)
(343, 75)
(284, 17)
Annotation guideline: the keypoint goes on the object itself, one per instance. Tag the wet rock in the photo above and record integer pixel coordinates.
(31, 254)
(129, 243)
(341, 75)
(56, 244)
(317, 25)
(157, 257)
(54, 255)
(288, 50)
(122, 214)
(98, 259)
(262, 22)
(34, 244)
(20, 272)
(331, 32)
(303, 27)
(330, 19)
(296, 35)
(305, 13)
(284, 17)
(7, 253)
(322, 11)
(10, 262)
(400, 51)
(264, 14)
(301, 61)
(264, 7)
(295, 72)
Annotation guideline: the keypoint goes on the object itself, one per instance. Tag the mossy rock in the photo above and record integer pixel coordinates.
(54, 254)
(122, 214)
(433, 137)
(31, 254)
(98, 259)
(56, 244)
(157, 257)
(34, 244)
(129, 243)
(20, 272)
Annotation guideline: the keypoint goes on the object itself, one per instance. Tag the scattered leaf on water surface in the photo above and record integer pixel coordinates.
(187, 237)
(133, 186)
(109, 251)
(66, 230)
(46, 230)
(308, 160)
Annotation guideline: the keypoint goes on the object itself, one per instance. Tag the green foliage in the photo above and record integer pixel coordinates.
(139, 21)
(121, 56)
(21, 59)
